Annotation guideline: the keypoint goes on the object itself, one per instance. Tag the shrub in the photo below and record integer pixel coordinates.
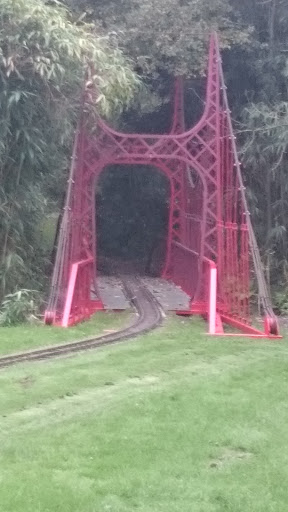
(19, 307)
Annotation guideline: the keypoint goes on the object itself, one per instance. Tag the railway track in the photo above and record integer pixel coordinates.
(149, 316)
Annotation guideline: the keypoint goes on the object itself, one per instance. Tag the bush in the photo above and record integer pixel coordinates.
(281, 302)
(19, 307)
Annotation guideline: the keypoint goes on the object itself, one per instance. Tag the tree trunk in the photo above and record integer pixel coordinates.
(271, 28)
(268, 226)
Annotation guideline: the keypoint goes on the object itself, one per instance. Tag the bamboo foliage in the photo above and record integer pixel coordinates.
(44, 55)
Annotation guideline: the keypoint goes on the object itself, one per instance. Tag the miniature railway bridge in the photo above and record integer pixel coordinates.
(211, 250)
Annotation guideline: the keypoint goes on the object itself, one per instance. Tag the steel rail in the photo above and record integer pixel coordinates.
(149, 316)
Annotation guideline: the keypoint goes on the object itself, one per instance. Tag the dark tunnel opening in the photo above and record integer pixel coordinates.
(132, 212)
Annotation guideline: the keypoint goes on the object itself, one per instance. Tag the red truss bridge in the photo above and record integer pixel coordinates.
(211, 250)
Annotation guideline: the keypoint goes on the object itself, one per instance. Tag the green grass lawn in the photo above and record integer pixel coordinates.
(173, 421)
(28, 337)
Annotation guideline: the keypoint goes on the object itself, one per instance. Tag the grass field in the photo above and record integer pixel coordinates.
(28, 337)
(172, 422)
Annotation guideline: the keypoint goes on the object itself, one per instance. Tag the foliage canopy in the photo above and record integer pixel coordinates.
(44, 55)
(168, 35)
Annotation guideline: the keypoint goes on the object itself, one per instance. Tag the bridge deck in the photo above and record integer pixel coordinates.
(111, 293)
(169, 296)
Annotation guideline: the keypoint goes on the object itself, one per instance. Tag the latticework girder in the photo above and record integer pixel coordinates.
(209, 221)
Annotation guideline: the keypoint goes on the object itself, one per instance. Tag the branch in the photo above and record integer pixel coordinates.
(273, 127)
(279, 161)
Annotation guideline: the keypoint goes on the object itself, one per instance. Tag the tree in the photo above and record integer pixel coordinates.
(44, 55)
(265, 131)
(167, 35)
